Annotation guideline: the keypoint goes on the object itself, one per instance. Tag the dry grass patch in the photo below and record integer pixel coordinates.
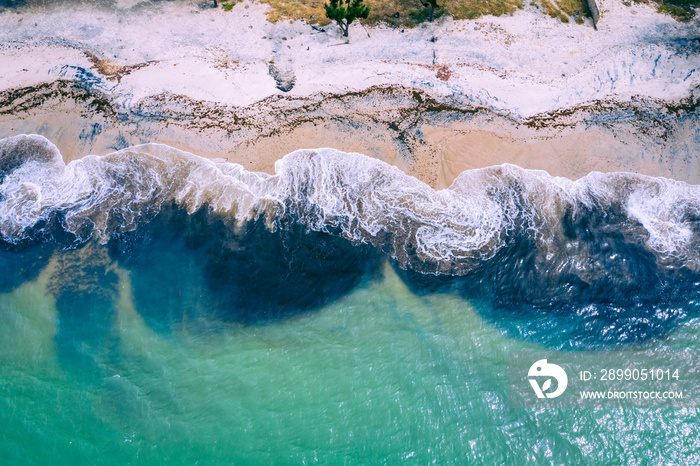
(394, 12)
(310, 10)
(407, 13)
(681, 10)
(564, 9)
(472, 9)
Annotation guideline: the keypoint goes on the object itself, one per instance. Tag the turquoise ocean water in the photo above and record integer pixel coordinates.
(159, 308)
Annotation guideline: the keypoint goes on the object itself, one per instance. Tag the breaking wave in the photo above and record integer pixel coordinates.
(617, 246)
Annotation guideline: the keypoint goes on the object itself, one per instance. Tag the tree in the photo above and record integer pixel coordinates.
(344, 12)
(429, 3)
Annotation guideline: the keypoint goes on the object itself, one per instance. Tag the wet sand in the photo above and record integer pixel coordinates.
(436, 149)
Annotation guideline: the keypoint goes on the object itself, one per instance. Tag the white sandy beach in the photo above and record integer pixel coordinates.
(513, 70)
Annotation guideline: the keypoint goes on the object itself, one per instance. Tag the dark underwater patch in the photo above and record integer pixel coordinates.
(85, 287)
(193, 266)
(22, 263)
(596, 286)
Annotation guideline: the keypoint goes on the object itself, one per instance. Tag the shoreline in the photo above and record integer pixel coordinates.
(425, 138)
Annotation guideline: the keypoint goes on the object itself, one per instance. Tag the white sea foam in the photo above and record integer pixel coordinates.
(360, 198)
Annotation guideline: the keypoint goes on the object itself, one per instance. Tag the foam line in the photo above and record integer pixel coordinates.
(365, 200)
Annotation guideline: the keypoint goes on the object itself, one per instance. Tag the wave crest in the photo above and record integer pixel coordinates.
(449, 231)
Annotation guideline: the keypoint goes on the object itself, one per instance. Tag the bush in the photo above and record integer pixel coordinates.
(344, 12)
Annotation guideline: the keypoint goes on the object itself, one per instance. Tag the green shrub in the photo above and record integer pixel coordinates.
(344, 12)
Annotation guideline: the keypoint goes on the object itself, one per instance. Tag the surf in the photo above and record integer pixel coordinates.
(621, 250)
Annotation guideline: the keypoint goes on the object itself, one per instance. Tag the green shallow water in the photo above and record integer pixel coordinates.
(379, 376)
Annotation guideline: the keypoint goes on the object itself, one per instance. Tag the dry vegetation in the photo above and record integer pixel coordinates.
(113, 72)
(407, 13)
(564, 9)
(682, 10)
